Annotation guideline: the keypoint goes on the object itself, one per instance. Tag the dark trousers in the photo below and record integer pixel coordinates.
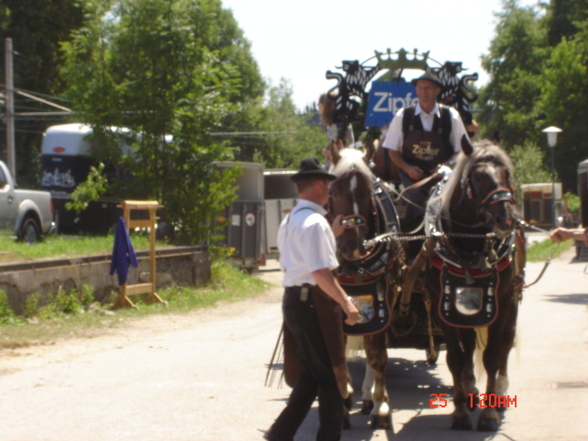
(316, 379)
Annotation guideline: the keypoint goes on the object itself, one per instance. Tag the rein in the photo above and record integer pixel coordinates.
(547, 261)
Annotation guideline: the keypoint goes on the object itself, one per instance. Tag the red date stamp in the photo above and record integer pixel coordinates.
(482, 401)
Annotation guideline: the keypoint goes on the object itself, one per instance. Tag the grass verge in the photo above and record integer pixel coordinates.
(541, 251)
(60, 246)
(228, 284)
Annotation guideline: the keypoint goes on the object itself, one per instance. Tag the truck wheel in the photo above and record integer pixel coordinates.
(30, 232)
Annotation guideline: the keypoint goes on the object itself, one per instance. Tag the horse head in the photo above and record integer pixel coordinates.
(351, 195)
(482, 190)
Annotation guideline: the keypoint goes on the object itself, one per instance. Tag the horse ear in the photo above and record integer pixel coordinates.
(336, 147)
(370, 150)
(466, 147)
(496, 138)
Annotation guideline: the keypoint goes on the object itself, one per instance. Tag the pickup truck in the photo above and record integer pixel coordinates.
(29, 213)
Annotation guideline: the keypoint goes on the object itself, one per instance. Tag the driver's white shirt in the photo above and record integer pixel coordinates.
(306, 244)
(395, 137)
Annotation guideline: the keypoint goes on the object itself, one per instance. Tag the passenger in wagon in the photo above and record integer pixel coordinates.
(420, 139)
(313, 307)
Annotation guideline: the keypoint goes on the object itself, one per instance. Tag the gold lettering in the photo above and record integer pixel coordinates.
(424, 151)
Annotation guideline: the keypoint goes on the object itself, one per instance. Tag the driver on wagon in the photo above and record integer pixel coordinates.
(420, 139)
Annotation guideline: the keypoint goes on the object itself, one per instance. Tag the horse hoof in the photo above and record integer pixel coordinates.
(348, 402)
(462, 423)
(487, 425)
(381, 422)
(366, 407)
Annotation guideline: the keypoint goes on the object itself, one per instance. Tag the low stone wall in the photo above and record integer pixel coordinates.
(181, 266)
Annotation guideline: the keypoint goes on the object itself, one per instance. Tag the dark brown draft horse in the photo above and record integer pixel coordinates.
(372, 273)
(475, 276)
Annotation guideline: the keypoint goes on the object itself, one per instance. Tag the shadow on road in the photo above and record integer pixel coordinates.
(572, 299)
(410, 385)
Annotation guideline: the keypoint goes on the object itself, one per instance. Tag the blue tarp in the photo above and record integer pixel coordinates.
(123, 254)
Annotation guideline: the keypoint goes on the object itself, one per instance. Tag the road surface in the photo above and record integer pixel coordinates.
(200, 377)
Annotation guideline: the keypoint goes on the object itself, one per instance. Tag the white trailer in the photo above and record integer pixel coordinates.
(66, 158)
(280, 198)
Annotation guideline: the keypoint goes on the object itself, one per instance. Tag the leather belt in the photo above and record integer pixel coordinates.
(299, 290)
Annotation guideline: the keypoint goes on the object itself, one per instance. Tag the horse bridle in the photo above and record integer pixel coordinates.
(358, 221)
(500, 194)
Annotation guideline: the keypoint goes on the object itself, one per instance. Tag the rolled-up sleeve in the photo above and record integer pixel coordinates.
(394, 136)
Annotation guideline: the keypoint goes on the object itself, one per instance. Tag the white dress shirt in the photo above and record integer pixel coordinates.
(306, 243)
(395, 137)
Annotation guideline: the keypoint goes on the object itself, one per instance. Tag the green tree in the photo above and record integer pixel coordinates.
(166, 70)
(564, 14)
(528, 161)
(538, 73)
(285, 136)
(516, 57)
(563, 99)
(37, 28)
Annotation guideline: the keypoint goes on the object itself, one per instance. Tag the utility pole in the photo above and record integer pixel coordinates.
(9, 118)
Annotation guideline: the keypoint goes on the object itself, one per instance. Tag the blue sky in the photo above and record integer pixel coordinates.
(301, 40)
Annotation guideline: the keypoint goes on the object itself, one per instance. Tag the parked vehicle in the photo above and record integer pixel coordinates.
(280, 197)
(65, 163)
(29, 213)
(245, 217)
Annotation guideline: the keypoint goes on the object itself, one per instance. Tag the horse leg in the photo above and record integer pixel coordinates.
(377, 358)
(460, 349)
(508, 342)
(500, 342)
(367, 388)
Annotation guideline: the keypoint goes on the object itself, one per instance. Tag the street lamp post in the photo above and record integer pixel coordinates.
(552, 141)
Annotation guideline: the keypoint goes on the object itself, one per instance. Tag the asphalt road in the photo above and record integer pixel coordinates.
(201, 377)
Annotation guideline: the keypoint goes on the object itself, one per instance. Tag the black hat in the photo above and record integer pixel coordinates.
(310, 167)
(429, 76)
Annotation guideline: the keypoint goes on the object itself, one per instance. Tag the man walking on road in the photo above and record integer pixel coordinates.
(313, 307)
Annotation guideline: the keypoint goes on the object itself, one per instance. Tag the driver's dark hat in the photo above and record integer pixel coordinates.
(310, 167)
(429, 76)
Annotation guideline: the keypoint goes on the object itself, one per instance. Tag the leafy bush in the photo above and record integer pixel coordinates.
(573, 202)
(6, 312)
(31, 305)
(68, 302)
